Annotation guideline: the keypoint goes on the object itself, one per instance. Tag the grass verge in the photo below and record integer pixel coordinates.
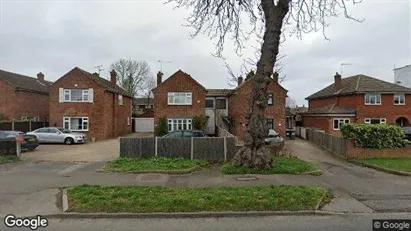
(281, 165)
(155, 165)
(8, 159)
(143, 199)
(396, 164)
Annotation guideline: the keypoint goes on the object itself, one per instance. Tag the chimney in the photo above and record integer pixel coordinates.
(337, 81)
(240, 80)
(40, 76)
(113, 78)
(159, 77)
(275, 76)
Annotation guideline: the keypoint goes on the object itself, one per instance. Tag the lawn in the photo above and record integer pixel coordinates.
(399, 164)
(144, 199)
(8, 159)
(281, 165)
(159, 164)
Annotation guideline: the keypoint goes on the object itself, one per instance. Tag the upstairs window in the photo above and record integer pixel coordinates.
(270, 99)
(179, 98)
(399, 99)
(120, 100)
(372, 99)
(77, 95)
(339, 122)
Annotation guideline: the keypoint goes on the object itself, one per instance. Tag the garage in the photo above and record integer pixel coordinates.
(143, 124)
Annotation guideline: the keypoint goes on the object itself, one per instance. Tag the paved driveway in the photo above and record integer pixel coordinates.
(91, 152)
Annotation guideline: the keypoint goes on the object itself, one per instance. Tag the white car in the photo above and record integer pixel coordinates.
(58, 135)
(273, 137)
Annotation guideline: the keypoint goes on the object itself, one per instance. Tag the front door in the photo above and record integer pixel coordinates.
(209, 112)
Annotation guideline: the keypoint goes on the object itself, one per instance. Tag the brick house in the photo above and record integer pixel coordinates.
(23, 97)
(180, 97)
(142, 105)
(358, 99)
(85, 102)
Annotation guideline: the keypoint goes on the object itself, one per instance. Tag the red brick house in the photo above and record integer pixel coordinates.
(85, 102)
(358, 99)
(23, 97)
(180, 97)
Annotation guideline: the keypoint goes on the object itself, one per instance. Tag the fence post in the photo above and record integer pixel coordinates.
(155, 145)
(225, 148)
(29, 125)
(192, 147)
(12, 125)
(18, 149)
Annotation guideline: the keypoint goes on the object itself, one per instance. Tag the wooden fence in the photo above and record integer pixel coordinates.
(210, 148)
(23, 126)
(334, 144)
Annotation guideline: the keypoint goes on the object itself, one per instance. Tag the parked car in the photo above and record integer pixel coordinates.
(273, 137)
(407, 131)
(58, 135)
(185, 134)
(27, 142)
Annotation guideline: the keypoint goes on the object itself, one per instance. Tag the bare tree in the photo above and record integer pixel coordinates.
(132, 75)
(148, 94)
(290, 102)
(222, 18)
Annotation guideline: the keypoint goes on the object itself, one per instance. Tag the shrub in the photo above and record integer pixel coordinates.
(374, 135)
(199, 122)
(162, 127)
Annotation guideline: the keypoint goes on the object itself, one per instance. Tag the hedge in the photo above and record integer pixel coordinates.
(374, 135)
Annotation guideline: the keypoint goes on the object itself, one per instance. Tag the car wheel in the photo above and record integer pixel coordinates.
(31, 149)
(69, 141)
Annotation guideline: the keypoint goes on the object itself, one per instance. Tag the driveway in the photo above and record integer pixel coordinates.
(91, 152)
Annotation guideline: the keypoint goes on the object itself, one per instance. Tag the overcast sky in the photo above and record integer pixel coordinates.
(55, 36)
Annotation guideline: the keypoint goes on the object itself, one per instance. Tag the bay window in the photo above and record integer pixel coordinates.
(179, 124)
(76, 123)
(179, 98)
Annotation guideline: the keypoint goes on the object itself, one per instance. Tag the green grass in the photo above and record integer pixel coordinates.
(160, 164)
(8, 159)
(281, 165)
(144, 199)
(399, 164)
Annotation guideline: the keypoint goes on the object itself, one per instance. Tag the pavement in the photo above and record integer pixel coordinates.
(30, 187)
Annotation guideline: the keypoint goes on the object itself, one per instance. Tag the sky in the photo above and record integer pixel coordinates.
(55, 36)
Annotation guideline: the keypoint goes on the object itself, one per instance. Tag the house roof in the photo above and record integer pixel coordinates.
(330, 109)
(219, 92)
(106, 84)
(143, 101)
(23, 82)
(359, 84)
(179, 72)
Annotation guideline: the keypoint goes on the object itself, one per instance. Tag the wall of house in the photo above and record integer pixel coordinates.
(323, 123)
(7, 98)
(238, 108)
(123, 116)
(178, 82)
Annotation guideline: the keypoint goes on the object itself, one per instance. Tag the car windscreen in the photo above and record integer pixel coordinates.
(63, 130)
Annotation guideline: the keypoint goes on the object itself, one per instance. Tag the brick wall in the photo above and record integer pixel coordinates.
(238, 108)
(363, 153)
(178, 82)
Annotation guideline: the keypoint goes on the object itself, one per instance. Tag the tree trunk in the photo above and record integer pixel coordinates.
(255, 154)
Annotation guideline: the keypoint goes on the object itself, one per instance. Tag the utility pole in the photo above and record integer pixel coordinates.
(342, 67)
(161, 64)
(99, 68)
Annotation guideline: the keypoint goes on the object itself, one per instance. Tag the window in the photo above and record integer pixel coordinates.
(375, 121)
(76, 123)
(179, 124)
(42, 130)
(175, 134)
(179, 98)
(270, 99)
(221, 104)
(209, 103)
(399, 99)
(76, 95)
(269, 123)
(128, 121)
(372, 99)
(120, 100)
(339, 122)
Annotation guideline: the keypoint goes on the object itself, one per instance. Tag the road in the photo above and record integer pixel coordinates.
(360, 222)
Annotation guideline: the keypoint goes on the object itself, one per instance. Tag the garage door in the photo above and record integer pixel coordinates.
(144, 124)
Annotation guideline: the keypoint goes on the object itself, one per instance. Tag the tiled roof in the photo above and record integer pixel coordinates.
(359, 84)
(25, 82)
(219, 92)
(143, 101)
(330, 109)
(106, 84)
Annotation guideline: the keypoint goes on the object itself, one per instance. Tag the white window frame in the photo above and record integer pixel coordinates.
(120, 100)
(368, 120)
(272, 99)
(340, 122)
(84, 92)
(84, 121)
(188, 98)
(400, 96)
(372, 95)
(173, 124)
(128, 121)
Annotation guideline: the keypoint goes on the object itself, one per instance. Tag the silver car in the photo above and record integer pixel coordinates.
(273, 137)
(58, 135)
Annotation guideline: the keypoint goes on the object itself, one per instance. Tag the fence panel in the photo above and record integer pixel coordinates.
(333, 144)
(37, 125)
(174, 147)
(231, 147)
(6, 126)
(147, 147)
(8, 148)
(209, 149)
(129, 147)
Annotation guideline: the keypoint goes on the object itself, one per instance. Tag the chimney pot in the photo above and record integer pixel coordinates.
(337, 81)
(40, 76)
(113, 78)
(159, 77)
(240, 80)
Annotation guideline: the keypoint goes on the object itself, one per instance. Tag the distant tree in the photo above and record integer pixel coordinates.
(290, 102)
(249, 75)
(148, 94)
(132, 75)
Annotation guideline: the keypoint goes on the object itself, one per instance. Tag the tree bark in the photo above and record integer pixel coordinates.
(255, 154)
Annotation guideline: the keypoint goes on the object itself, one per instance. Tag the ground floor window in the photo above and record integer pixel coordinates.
(338, 122)
(179, 124)
(76, 123)
(375, 120)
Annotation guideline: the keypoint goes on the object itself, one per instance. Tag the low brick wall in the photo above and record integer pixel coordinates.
(354, 152)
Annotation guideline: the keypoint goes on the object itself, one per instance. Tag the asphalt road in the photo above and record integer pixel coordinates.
(360, 222)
